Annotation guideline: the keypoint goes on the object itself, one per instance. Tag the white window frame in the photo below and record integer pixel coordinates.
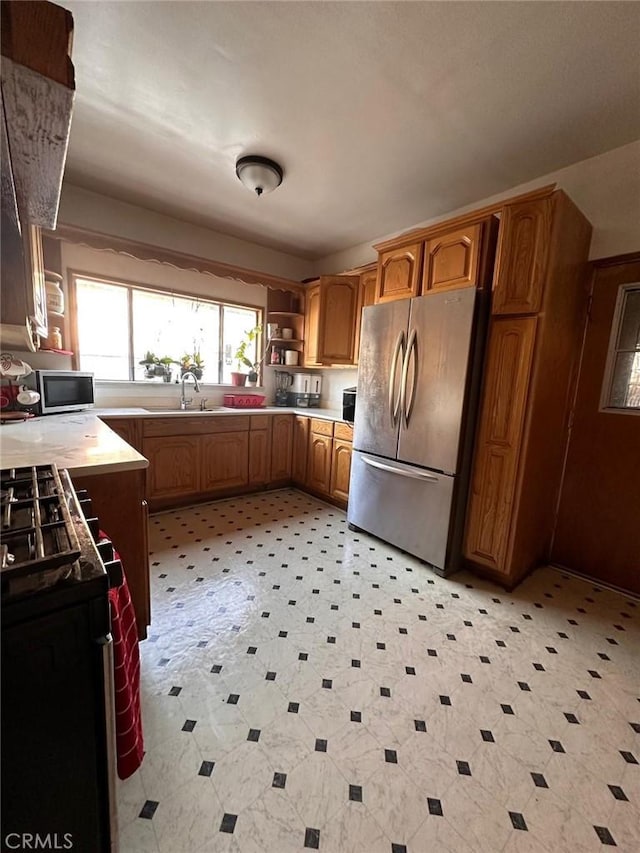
(74, 275)
(612, 352)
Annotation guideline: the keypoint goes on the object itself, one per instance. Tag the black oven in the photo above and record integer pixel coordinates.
(58, 739)
(349, 404)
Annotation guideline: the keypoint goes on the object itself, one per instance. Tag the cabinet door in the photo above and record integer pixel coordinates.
(300, 449)
(225, 461)
(319, 463)
(127, 428)
(498, 445)
(525, 231)
(399, 273)
(311, 321)
(259, 456)
(340, 469)
(174, 465)
(281, 447)
(337, 320)
(451, 260)
(368, 284)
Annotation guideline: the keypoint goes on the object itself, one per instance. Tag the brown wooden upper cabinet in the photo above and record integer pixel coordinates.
(398, 274)
(452, 260)
(331, 306)
(525, 232)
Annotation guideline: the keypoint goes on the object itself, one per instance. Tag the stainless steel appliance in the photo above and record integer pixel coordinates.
(61, 391)
(349, 404)
(58, 738)
(418, 378)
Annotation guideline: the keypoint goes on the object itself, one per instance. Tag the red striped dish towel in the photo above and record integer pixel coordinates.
(126, 660)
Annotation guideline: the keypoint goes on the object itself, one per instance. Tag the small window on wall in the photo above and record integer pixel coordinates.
(621, 389)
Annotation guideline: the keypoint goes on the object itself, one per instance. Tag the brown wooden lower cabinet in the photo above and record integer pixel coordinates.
(340, 469)
(224, 461)
(281, 448)
(300, 449)
(259, 456)
(174, 465)
(118, 500)
(319, 463)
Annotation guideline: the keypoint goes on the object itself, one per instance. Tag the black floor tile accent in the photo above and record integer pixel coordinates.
(356, 716)
(206, 768)
(539, 781)
(420, 725)
(518, 821)
(618, 793)
(228, 822)
(254, 735)
(391, 756)
(321, 745)
(279, 780)
(605, 836)
(487, 735)
(149, 809)
(355, 793)
(189, 725)
(312, 838)
(435, 806)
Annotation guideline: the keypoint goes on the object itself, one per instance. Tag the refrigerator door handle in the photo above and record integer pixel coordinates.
(394, 404)
(406, 401)
(414, 473)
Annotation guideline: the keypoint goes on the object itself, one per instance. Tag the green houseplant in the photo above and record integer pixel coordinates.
(239, 377)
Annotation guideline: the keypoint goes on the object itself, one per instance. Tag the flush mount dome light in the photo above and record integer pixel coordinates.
(259, 174)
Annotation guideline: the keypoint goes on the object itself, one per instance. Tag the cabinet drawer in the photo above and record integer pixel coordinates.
(321, 427)
(259, 421)
(343, 431)
(197, 425)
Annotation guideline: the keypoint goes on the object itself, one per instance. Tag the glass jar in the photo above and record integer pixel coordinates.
(55, 296)
(54, 338)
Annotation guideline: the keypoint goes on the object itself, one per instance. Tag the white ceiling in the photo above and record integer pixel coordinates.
(382, 114)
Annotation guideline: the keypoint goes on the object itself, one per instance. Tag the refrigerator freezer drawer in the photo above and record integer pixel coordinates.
(406, 506)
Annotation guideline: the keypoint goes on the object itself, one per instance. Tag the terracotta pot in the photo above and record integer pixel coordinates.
(238, 378)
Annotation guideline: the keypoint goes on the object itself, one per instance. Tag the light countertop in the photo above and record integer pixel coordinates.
(81, 442)
(78, 441)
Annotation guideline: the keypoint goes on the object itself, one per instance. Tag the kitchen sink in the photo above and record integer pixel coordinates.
(168, 410)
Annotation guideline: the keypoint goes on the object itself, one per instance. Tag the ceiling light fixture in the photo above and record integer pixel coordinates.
(259, 174)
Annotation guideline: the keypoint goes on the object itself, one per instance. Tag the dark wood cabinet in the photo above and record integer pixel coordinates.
(300, 449)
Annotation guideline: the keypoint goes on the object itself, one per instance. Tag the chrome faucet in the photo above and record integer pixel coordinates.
(184, 401)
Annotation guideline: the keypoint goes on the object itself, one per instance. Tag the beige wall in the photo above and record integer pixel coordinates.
(86, 209)
(606, 188)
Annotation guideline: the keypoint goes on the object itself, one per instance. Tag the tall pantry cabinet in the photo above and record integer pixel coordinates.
(539, 308)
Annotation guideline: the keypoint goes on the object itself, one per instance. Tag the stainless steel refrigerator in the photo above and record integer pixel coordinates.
(418, 380)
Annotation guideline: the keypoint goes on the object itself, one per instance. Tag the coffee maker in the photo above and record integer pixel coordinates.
(283, 382)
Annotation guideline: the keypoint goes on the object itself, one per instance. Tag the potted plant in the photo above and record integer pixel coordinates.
(151, 362)
(166, 369)
(239, 377)
(197, 365)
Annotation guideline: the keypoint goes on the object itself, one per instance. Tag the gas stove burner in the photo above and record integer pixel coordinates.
(38, 534)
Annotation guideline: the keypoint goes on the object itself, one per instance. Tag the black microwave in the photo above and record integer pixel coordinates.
(349, 404)
(61, 390)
